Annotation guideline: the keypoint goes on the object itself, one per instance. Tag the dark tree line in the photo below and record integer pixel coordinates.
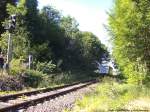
(48, 35)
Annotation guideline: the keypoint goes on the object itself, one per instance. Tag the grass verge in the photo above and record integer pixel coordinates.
(34, 79)
(110, 95)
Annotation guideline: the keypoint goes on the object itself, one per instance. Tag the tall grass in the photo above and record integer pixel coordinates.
(110, 95)
(31, 79)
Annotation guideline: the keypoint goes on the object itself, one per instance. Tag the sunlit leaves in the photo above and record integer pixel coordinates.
(128, 23)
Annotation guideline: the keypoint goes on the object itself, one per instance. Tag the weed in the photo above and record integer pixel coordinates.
(110, 95)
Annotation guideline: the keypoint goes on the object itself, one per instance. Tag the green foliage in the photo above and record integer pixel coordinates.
(41, 52)
(20, 34)
(70, 26)
(17, 66)
(19, 10)
(128, 26)
(33, 78)
(46, 67)
(81, 48)
(110, 95)
(3, 12)
(47, 35)
(92, 49)
(73, 76)
(3, 41)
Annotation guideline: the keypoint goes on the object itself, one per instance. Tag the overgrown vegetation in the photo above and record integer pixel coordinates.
(49, 36)
(129, 22)
(35, 79)
(54, 41)
(110, 95)
(61, 52)
(128, 26)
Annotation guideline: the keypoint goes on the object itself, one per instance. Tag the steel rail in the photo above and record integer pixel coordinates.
(28, 93)
(26, 104)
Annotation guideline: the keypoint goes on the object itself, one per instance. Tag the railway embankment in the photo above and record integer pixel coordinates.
(55, 98)
(111, 95)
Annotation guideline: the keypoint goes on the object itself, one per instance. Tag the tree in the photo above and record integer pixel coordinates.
(19, 34)
(128, 25)
(4, 14)
(49, 36)
(92, 48)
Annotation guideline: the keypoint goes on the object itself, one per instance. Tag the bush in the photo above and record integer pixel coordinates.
(16, 66)
(9, 83)
(32, 78)
(46, 67)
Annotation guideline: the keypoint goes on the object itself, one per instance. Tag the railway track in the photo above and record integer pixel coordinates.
(13, 102)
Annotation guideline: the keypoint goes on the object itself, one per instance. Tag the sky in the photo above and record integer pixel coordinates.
(90, 14)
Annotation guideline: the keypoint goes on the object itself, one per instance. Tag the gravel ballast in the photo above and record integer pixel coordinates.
(60, 103)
